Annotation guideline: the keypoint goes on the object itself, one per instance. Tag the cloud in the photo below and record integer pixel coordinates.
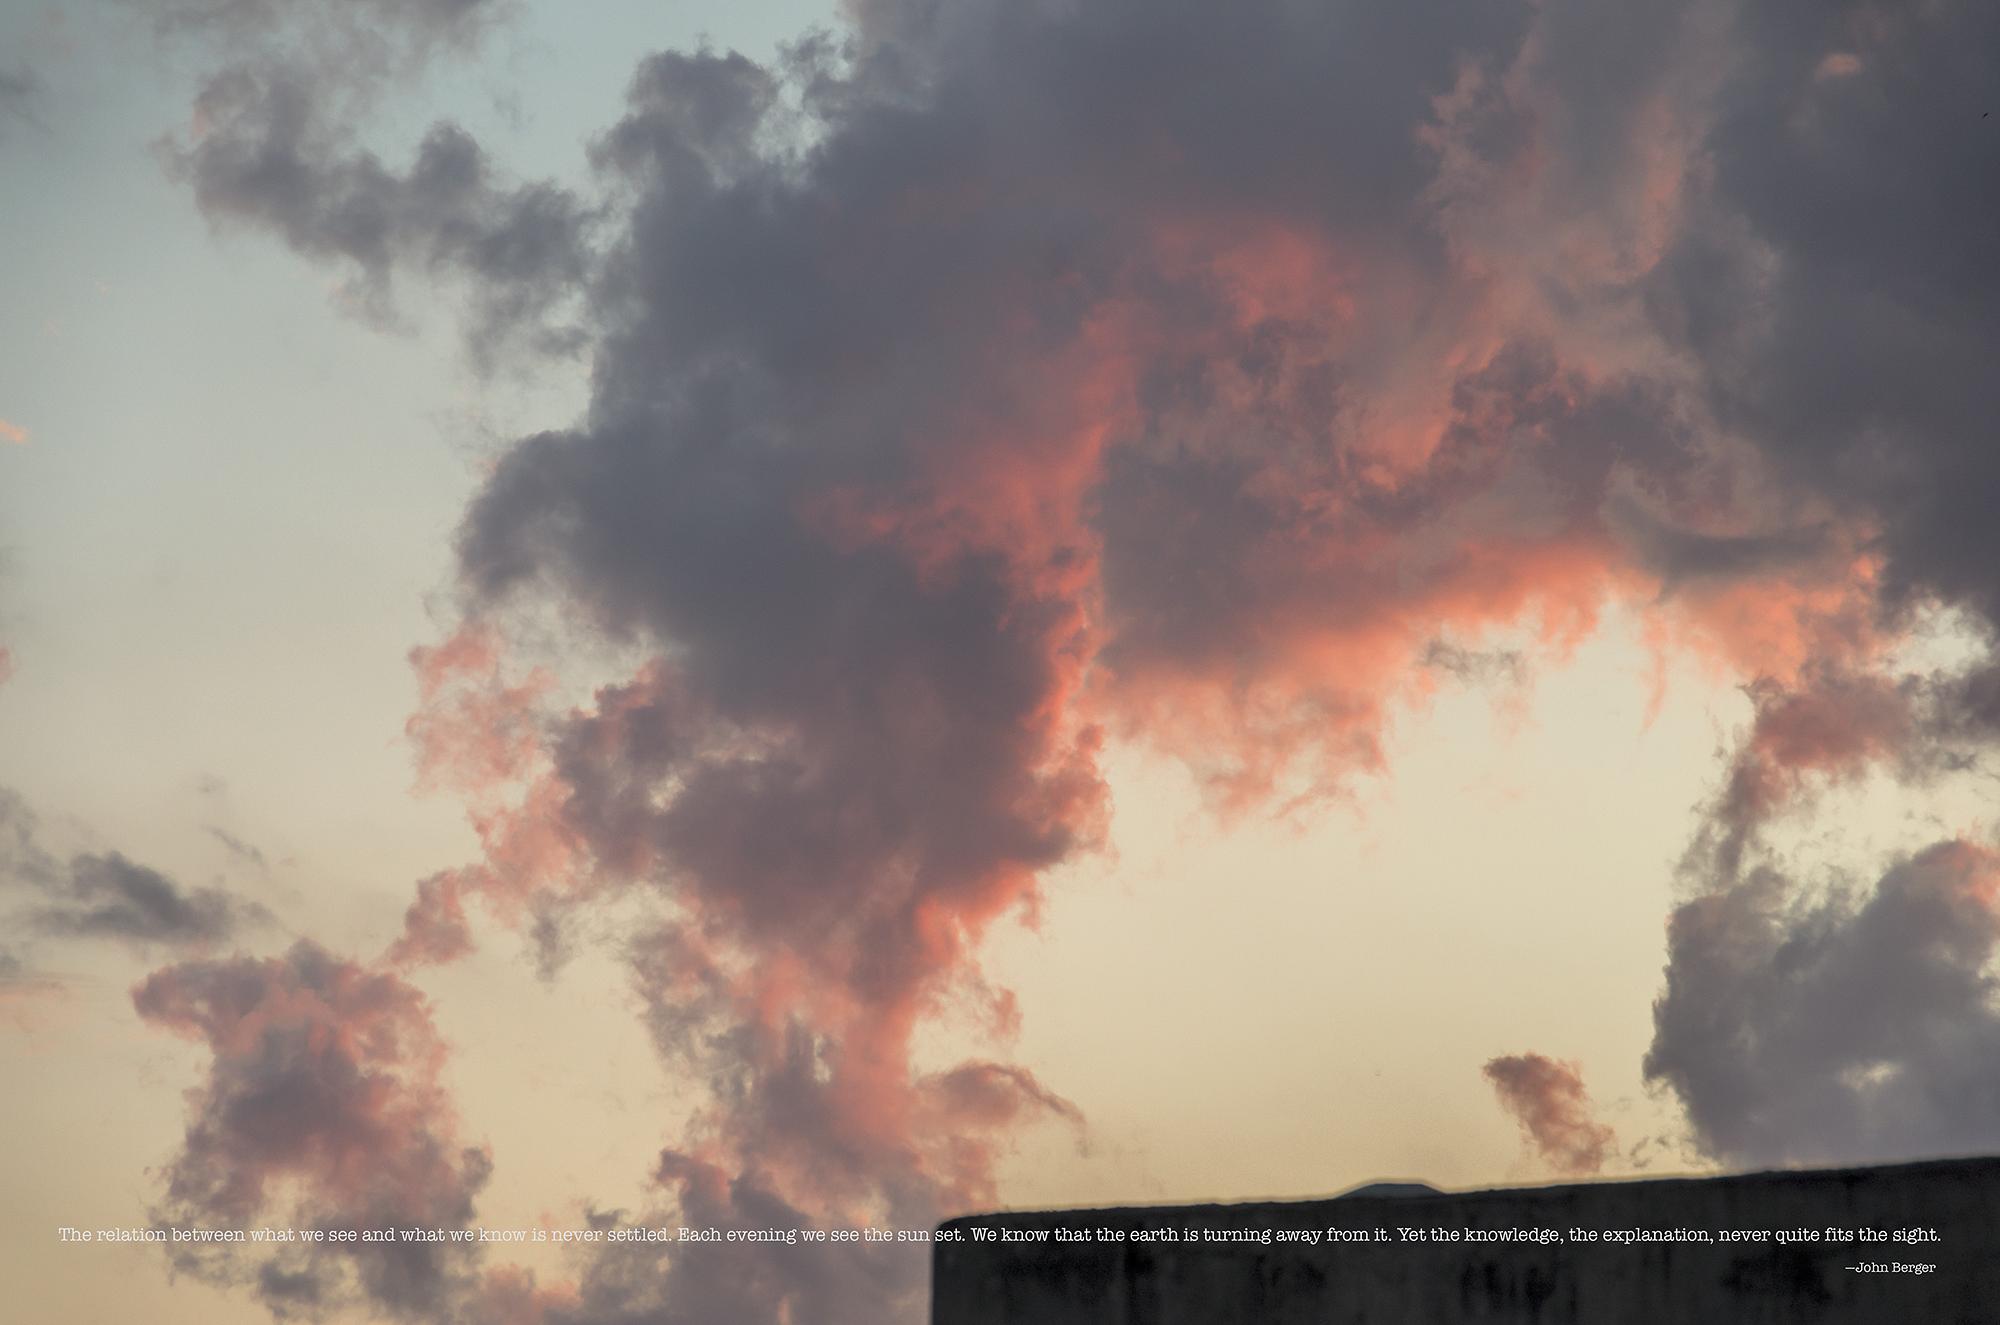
(814, 1122)
(246, 852)
(993, 381)
(823, 1283)
(1476, 666)
(1801, 1029)
(472, 731)
(110, 897)
(1011, 379)
(1832, 729)
(106, 896)
(1548, 1099)
(933, 440)
(1822, 291)
(20, 90)
(272, 145)
(323, 1108)
(435, 928)
(1826, 288)
(25, 996)
(12, 432)
(1806, 1019)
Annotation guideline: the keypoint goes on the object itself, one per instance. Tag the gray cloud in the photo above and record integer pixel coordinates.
(274, 147)
(1797, 1027)
(1830, 288)
(378, 27)
(996, 378)
(880, 406)
(1827, 291)
(106, 896)
(821, 1283)
(322, 1108)
(1233, 357)
(239, 849)
(1681, 554)
(1807, 1017)
(110, 897)
(1476, 666)
(20, 90)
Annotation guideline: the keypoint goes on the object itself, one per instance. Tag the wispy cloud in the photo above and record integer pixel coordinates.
(20, 96)
(1549, 1101)
(105, 896)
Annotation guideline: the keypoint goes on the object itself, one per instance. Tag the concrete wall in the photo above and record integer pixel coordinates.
(1414, 1283)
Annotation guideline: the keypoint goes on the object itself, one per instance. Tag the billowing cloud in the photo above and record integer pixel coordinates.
(1825, 287)
(1186, 384)
(932, 442)
(997, 380)
(1548, 1099)
(1832, 729)
(472, 730)
(1810, 1018)
(322, 1108)
(435, 927)
(1801, 1028)
(13, 432)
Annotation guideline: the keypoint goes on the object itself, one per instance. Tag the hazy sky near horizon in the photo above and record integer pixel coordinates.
(633, 609)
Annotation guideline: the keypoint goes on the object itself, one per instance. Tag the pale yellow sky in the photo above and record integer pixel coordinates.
(1265, 1009)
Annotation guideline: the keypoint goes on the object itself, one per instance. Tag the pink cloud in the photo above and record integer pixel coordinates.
(1548, 1099)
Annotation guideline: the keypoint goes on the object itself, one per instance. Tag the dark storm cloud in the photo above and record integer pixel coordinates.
(1836, 289)
(1681, 555)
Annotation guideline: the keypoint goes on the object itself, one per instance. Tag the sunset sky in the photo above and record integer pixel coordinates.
(776, 615)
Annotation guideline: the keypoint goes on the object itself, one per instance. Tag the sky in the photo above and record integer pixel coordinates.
(784, 616)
